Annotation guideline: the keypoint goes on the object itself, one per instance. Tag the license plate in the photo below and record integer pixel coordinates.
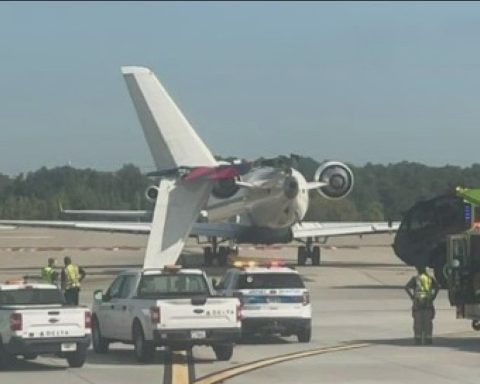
(69, 347)
(198, 334)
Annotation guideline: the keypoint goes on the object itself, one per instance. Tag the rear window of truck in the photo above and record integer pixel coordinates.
(31, 297)
(183, 284)
(270, 281)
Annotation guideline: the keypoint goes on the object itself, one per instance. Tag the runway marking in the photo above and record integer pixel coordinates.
(179, 368)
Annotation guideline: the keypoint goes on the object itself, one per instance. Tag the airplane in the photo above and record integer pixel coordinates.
(236, 201)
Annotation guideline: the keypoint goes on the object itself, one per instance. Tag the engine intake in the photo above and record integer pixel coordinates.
(151, 193)
(338, 177)
(225, 188)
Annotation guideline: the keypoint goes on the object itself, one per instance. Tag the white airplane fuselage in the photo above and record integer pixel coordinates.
(279, 199)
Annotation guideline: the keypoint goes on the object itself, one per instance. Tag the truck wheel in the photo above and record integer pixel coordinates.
(223, 352)
(144, 350)
(100, 344)
(77, 359)
(305, 335)
(476, 325)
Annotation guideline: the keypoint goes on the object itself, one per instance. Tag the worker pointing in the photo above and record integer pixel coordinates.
(72, 275)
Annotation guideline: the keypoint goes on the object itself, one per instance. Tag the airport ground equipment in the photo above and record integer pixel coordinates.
(274, 299)
(170, 307)
(34, 320)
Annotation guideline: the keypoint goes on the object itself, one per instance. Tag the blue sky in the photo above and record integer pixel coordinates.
(353, 81)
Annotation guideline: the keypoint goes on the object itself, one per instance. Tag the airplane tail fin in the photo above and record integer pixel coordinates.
(172, 140)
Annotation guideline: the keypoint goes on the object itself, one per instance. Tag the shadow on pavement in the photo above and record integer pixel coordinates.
(464, 344)
(262, 339)
(21, 365)
(371, 286)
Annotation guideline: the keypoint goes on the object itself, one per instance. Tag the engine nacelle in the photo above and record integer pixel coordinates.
(338, 177)
(225, 188)
(151, 193)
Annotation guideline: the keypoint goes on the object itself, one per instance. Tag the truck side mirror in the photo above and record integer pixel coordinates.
(98, 295)
(215, 283)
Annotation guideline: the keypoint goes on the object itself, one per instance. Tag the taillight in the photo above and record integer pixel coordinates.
(239, 312)
(306, 298)
(155, 315)
(88, 320)
(16, 322)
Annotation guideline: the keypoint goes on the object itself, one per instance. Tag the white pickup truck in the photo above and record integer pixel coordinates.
(34, 320)
(170, 307)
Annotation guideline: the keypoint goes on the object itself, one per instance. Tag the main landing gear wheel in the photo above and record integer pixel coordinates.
(301, 255)
(316, 255)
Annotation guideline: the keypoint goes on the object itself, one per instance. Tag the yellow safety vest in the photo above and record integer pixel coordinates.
(72, 277)
(424, 286)
(47, 274)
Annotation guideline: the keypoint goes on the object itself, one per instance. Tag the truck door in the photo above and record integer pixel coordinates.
(124, 307)
(108, 307)
(458, 265)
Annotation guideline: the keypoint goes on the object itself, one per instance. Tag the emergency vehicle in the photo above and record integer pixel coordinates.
(274, 299)
(34, 320)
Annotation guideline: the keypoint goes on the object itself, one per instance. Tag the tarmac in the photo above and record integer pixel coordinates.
(362, 324)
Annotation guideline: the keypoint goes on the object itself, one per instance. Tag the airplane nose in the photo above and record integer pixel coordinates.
(290, 187)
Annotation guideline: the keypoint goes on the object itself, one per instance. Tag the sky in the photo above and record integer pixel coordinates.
(358, 82)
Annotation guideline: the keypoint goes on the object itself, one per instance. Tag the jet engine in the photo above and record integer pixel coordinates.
(151, 193)
(339, 179)
(225, 188)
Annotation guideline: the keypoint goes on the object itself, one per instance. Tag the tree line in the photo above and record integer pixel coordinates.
(381, 192)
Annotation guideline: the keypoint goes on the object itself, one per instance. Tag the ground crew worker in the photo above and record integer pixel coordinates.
(49, 274)
(422, 289)
(72, 275)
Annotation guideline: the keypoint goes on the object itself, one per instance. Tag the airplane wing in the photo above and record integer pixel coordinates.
(328, 229)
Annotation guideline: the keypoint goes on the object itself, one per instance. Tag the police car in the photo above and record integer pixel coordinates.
(273, 297)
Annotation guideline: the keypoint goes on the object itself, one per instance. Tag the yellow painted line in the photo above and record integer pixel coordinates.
(180, 372)
(219, 377)
(179, 368)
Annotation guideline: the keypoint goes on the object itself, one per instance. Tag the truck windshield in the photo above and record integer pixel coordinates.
(270, 281)
(31, 297)
(172, 285)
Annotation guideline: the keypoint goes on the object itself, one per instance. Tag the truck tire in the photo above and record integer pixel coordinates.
(223, 352)
(77, 359)
(144, 350)
(305, 335)
(100, 344)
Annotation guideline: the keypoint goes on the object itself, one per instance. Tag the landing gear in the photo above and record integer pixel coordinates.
(217, 253)
(309, 251)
